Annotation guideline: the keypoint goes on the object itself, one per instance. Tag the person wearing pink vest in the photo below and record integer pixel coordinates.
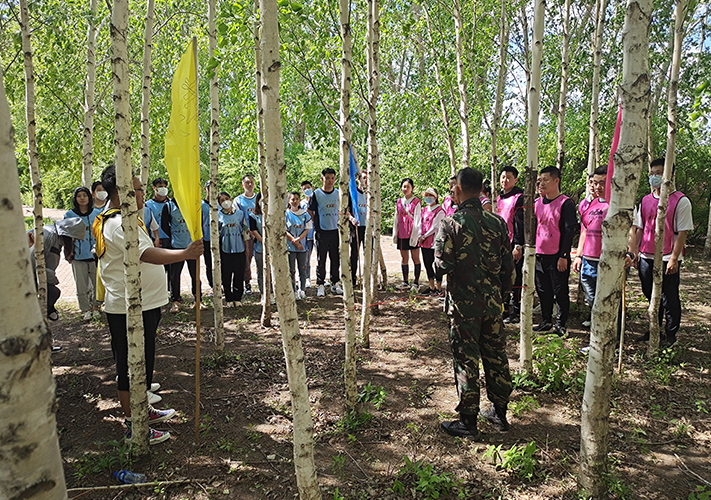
(677, 224)
(449, 204)
(406, 228)
(555, 229)
(432, 216)
(509, 206)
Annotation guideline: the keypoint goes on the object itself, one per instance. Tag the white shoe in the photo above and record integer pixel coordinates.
(302, 295)
(308, 283)
(336, 289)
(297, 295)
(272, 301)
(86, 316)
(153, 398)
(321, 291)
(587, 323)
(155, 387)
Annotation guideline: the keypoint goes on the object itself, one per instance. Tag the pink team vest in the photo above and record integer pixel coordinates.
(448, 206)
(404, 224)
(593, 216)
(649, 219)
(583, 206)
(506, 208)
(428, 218)
(548, 229)
(484, 200)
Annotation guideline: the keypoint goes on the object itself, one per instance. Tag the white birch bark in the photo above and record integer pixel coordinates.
(534, 106)
(667, 183)
(89, 106)
(349, 369)
(562, 104)
(371, 242)
(266, 319)
(214, 182)
(594, 139)
(526, 54)
(29, 450)
(146, 93)
(288, 319)
(129, 216)
(40, 269)
(629, 161)
(498, 100)
(462, 84)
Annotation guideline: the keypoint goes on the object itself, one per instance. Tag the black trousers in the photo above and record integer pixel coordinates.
(552, 286)
(165, 243)
(175, 270)
(233, 275)
(514, 305)
(355, 244)
(207, 256)
(428, 257)
(327, 246)
(119, 344)
(671, 303)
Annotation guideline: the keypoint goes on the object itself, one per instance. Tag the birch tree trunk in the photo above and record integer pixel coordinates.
(87, 173)
(629, 161)
(372, 248)
(498, 101)
(266, 319)
(667, 183)
(129, 216)
(214, 181)
(526, 54)
(349, 369)
(594, 141)
(534, 106)
(146, 93)
(656, 97)
(41, 268)
(462, 84)
(562, 105)
(276, 222)
(32, 463)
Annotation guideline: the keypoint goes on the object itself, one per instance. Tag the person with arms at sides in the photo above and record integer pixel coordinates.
(298, 223)
(110, 248)
(255, 229)
(156, 206)
(358, 220)
(232, 224)
(81, 255)
(99, 195)
(406, 228)
(485, 196)
(509, 206)
(473, 249)
(323, 209)
(555, 229)
(246, 202)
(432, 216)
(677, 224)
(449, 205)
(207, 255)
(307, 190)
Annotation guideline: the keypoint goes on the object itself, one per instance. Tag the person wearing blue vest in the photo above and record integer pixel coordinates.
(323, 209)
(357, 223)
(174, 225)
(308, 191)
(156, 206)
(255, 229)
(232, 249)
(246, 202)
(81, 256)
(298, 224)
(207, 253)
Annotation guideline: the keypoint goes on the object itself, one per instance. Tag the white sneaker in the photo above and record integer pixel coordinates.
(153, 398)
(86, 316)
(308, 283)
(336, 289)
(321, 291)
(155, 387)
(297, 295)
(302, 294)
(587, 323)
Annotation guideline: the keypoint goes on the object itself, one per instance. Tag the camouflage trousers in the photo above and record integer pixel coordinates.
(471, 340)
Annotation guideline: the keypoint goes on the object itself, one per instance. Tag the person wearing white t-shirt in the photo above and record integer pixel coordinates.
(154, 293)
(678, 223)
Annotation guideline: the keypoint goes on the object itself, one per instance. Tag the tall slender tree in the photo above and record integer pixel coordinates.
(594, 139)
(276, 223)
(146, 92)
(498, 100)
(628, 163)
(462, 83)
(32, 462)
(562, 100)
(89, 93)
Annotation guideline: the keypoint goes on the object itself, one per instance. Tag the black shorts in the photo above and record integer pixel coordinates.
(404, 244)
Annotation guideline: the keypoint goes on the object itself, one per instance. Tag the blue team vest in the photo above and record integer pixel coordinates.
(231, 227)
(205, 220)
(180, 236)
(258, 244)
(82, 248)
(156, 208)
(295, 225)
(327, 209)
(362, 209)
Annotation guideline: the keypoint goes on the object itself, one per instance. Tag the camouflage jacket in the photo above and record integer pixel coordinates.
(473, 249)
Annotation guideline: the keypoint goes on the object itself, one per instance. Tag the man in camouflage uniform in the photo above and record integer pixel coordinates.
(473, 249)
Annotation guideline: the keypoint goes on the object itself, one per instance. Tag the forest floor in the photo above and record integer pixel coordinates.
(660, 440)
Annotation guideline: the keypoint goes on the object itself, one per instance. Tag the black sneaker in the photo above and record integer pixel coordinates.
(496, 418)
(561, 331)
(512, 319)
(667, 341)
(458, 428)
(247, 289)
(543, 327)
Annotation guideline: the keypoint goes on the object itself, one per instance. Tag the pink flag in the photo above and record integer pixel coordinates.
(613, 150)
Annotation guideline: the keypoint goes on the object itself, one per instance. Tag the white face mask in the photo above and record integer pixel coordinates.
(101, 195)
(162, 191)
(227, 204)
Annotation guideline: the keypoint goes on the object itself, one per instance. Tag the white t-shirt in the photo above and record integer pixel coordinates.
(154, 291)
(682, 222)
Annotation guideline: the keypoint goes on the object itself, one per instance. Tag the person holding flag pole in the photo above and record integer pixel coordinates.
(182, 159)
(357, 216)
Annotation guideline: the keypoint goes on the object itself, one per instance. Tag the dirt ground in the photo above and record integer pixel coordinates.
(660, 441)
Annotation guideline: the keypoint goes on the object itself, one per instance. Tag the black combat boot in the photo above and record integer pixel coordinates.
(496, 416)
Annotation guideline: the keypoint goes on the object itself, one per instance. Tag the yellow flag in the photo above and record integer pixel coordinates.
(182, 154)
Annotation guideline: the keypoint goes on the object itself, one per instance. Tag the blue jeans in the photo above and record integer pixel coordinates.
(588, 279)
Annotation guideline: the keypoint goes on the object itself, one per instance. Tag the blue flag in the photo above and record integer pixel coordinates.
(352, 186)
